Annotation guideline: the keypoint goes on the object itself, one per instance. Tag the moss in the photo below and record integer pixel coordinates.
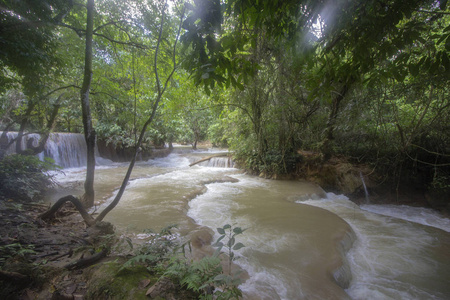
(107, 281)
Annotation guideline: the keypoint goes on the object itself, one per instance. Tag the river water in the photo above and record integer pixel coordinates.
(300, 242)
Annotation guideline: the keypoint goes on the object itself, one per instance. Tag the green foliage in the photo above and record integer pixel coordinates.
(114, 134)
(216, 134)
(25, 177)
(227, 239)
(270, 163)
(441, 182)
(15, 250)
(206, 276)
(153, 251)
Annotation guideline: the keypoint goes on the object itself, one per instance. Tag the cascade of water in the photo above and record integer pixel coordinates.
(220, 162)
(419, 271)
(365, 187)
(68, 150)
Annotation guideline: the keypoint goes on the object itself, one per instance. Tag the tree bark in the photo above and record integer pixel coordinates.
(13, 276)
(78, 205)
(23, 125)
(33, 150)
(86, 262)
(327, 146)
(161, 89)
(89, 132)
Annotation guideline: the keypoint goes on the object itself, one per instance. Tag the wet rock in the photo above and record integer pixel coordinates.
(161, 289)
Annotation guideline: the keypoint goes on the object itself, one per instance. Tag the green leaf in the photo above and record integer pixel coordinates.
(237, 230)
(446, 61)
(220, 230)
(227, 226)
(414, 69)
(447, 43)
(220, 238)
(238, 246)
(220, 277)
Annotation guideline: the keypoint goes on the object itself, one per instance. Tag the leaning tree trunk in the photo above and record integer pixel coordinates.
(23, 125)
(89, 132)
(30, 149)
(89, 220)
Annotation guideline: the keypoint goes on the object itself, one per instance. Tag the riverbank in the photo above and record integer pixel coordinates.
(40, 260)
(364, 184)
(34, 253)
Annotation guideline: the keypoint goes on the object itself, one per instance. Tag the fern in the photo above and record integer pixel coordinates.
(140, 259)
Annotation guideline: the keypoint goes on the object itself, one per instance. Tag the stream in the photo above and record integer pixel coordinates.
(300, 242)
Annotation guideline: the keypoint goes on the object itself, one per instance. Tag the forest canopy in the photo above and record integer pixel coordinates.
(364, 79)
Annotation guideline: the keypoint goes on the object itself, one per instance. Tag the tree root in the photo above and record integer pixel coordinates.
(68, 254)
(12, 276)
(86, 262)
(50, 214)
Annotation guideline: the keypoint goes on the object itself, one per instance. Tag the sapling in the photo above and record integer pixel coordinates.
(227, 231)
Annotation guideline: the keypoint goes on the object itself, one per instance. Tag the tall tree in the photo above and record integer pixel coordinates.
(160, 87)
(89, 132)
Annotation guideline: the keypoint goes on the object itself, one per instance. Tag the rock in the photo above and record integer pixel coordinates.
(161, 288)
(100, 229)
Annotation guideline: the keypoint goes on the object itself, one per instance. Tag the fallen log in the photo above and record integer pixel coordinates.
(208, 158)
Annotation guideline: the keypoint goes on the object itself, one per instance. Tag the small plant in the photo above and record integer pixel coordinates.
(153, 251)
(230, 233)
(206, 276)
(15, 250)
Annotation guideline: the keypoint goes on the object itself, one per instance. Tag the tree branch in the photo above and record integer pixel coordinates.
(80, 33)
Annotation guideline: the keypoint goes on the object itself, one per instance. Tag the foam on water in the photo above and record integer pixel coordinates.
(425, 216)
(393, 258)
(277, 246)
(173, 160)
(216, 207)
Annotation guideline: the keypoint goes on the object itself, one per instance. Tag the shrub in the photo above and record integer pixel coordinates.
(271, 163)
(25, 177)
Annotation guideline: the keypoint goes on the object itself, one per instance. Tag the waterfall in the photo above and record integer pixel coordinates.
(219, 162)
(68, 150)
(365, 187)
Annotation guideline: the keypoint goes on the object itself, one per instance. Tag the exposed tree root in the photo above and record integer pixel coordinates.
(12, 276)
(78, 205)
(86, 262)
(68, 254)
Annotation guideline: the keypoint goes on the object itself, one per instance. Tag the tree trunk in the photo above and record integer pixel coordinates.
(23, 125)
(33, 150)
(327, 146)
(161, 89)
(89, 132)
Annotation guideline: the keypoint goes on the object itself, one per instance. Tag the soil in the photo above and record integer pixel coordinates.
(40, 250)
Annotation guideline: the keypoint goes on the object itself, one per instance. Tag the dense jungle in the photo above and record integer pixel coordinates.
(319, 104)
